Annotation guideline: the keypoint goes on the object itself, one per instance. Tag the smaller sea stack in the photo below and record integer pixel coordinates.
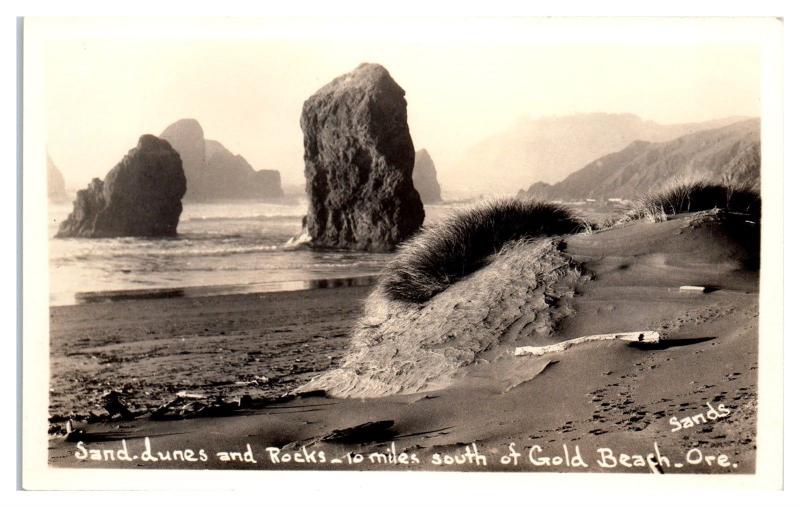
(425, 178)
(140, 196)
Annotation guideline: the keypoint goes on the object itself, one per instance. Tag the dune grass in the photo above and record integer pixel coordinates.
(695, 196)
(441, 255)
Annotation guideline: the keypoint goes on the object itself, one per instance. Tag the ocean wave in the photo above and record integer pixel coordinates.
(247, 218)
(83, 251)
(187, 252)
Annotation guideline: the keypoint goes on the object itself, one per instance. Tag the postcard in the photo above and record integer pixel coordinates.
(522, 246)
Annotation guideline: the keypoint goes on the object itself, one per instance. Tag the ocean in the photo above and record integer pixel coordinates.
(221, 248)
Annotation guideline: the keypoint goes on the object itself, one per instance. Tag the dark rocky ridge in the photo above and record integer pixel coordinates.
(232, 177)
(359, 160)
(730, 154)
(140, 196)
(213, 172)
(425, 178)
(56, 190)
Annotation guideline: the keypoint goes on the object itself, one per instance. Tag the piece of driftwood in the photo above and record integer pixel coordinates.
(692, 288)
(636, 336)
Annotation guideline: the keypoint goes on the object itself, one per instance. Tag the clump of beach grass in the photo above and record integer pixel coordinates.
(443, 254)
(695, 196)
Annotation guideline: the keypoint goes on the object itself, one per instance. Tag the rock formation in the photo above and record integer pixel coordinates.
(425, 178)
(187, 138)
(213, 172)
(359, 160)
(140, 196)
(267, 182)
(229, 176)
(56, 191)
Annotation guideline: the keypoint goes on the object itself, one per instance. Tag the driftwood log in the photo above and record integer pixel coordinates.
(636, 336)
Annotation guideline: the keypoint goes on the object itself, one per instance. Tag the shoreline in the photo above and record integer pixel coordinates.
(272, 287)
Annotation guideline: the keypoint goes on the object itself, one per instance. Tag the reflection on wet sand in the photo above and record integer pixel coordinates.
(221, 290)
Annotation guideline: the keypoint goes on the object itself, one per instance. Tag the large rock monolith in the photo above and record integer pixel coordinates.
(425, 178)
(359, 159)
(140, 196)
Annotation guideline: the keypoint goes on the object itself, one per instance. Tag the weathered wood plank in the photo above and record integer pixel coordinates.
(636, 336)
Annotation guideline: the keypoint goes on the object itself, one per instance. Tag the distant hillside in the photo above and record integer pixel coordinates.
(213, 172)
(731, 153)
(550, 149)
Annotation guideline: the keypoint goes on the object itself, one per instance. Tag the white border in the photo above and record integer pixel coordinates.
(492, 482)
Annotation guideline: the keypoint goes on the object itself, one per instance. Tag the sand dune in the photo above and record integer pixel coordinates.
(401, 347)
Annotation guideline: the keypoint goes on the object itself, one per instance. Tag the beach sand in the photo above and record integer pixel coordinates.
(579, 410)
(150, 350)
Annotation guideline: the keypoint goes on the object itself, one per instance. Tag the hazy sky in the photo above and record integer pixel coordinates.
(106, 83)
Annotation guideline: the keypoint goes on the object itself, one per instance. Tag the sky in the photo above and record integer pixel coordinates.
(106, 82)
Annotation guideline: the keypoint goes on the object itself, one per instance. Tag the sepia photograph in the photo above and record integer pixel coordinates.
(509, 245)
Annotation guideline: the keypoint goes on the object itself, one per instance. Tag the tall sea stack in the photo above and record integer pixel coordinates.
(359, 160)
(140, 196)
